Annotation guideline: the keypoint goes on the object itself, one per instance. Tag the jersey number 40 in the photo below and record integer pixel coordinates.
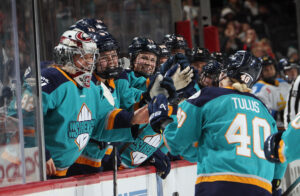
(238, 133)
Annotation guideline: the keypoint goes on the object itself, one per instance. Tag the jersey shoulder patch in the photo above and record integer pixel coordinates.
(257, 87)
(51, 79)
(281, 80)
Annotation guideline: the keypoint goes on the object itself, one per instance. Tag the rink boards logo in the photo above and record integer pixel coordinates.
(135, 193)
(142, 148)
(82, 128)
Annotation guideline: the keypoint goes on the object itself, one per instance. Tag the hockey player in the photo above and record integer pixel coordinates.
(119, 94)
(175, 44)
(283, 146)
(210, 74)
(144, 59)
(223, 129)
(289, 69)
(199, 57)
(74, 108)
(164, 54)
(271, 90)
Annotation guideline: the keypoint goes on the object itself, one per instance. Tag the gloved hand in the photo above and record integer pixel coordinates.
(181, 78)
(155, 88)
(158, 112)
(271, 147)
(182, 60)
(160, 85)
(167, 83)
(190, 89)
(173, 157)
(276, 190)
(166, 65)
(161, 162)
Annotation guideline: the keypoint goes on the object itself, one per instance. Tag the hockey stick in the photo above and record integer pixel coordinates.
(115, 170)
(292, 187)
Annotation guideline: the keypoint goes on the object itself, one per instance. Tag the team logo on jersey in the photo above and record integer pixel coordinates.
(153, 140)
(137, 158)
(44, 81)
(82, 128)
(142, 148)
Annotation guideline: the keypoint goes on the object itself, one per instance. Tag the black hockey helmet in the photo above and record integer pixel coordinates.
(173, 41)
(165, 52)
(200, 54)
(212, 70)
(142, 44)
(244, 67)
(218, 56)
(267, 60)
(106, 42)
(89, 25)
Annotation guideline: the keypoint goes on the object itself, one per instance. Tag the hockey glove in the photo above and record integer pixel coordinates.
(155, 88)
(158, 112)
(182, 60)
(271, 147)
(166, 65)
(161, 162)
(167, 83)
(181, 78)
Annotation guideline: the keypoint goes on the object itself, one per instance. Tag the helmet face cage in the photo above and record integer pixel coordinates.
(285, 66)
(211, 70)
(244, 67)
(108, 49)
(73, 43)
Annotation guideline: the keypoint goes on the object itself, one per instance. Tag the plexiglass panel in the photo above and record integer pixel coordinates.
(18, 95)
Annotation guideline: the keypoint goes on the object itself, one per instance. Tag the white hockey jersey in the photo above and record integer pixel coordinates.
(274, 97)
(293, 103)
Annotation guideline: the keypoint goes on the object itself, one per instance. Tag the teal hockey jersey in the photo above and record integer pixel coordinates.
(289, 145)
(72, 114)
(123, 97)
(224, 131)
(137, 82)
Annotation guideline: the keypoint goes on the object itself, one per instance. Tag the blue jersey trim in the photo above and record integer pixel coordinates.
(52, 79)
(257, 87)
(281, 80)
(209, 93)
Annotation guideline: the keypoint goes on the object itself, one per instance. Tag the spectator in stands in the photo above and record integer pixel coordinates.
(292, 54)
(230, 42)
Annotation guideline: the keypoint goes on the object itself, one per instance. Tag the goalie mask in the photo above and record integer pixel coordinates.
(244, 67)
(144, 54)
(107, 65)
(77, 52)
